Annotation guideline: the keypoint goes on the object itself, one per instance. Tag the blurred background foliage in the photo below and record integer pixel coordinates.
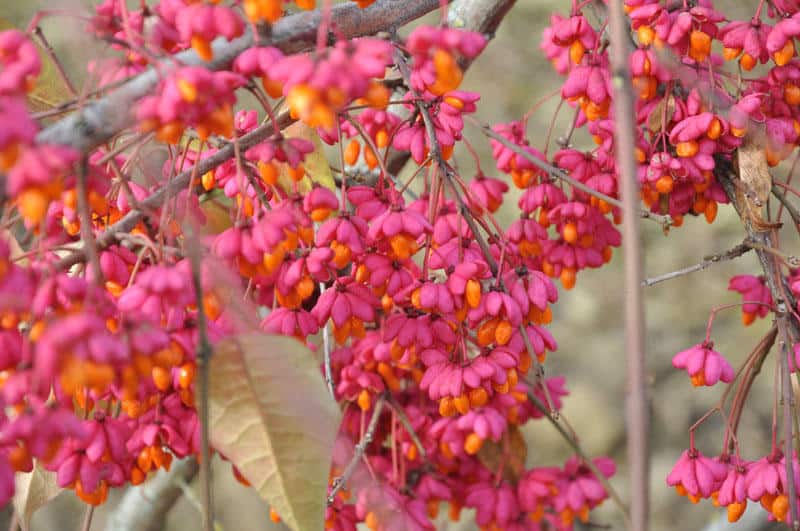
(512, 75)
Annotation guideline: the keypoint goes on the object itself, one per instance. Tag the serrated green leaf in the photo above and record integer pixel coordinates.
(33, 490)
(272, 416)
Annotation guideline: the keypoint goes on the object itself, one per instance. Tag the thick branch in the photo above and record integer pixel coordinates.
(788, 326)
(144, 508)
(100, 120)
(761, 241)
(624, 146)
(483, 16)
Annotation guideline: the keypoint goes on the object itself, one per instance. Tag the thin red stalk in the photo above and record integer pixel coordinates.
(775, 380)
(322, 31)
(747, 372)
(718, 309)
(538, 104)
(474, 154)
(757, 15)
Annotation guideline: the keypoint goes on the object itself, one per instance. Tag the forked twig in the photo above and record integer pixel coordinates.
(340, 482)
(708, 261)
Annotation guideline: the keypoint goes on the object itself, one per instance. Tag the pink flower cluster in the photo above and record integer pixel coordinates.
(191, 97)
(732, 481)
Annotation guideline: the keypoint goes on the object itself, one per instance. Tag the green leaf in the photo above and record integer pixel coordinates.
(272, 416)
(33, 490)
(315, 164)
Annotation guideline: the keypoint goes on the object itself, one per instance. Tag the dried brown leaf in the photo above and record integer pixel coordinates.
(510, 453)
(661, 114)
(272, 416)
(755, 184)
(33, 490)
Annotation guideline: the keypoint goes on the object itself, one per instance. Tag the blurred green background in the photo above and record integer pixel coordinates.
(511, 76)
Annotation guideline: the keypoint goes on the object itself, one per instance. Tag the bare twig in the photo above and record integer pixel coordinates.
(793, 212)
(340, 482)
(707, 262)
(54, 59)
(625, 145)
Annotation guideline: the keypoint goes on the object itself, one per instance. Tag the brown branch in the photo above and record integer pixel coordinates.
(625, 145)
(788, 327)
(100, 120)
(144, 508)
(483, 16)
